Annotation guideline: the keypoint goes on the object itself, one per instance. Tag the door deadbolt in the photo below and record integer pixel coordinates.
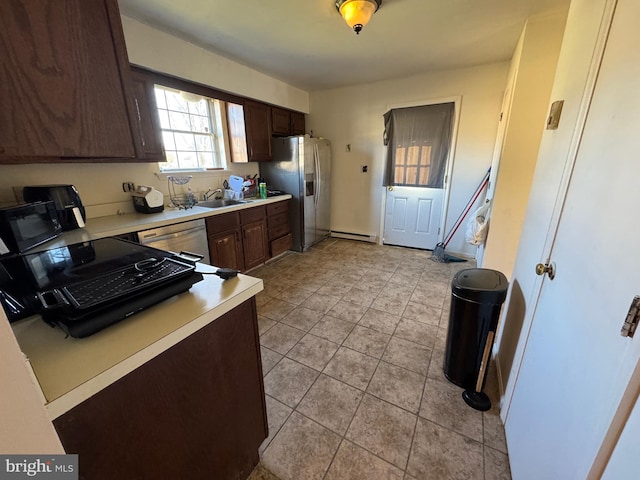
(548, 268)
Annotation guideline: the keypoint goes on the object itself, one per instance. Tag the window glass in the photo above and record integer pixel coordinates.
(192, 130)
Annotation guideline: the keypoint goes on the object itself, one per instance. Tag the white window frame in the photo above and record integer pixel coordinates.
(216, 110)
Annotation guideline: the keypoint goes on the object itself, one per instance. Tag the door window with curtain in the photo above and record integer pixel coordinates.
(418, 141)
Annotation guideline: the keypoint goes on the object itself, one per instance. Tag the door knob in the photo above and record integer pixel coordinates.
(390, 188)
(548, 268)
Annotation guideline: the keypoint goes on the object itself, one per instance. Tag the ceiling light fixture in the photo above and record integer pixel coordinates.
(357, 13)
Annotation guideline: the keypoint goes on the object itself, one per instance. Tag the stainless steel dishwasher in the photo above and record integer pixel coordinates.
(188, 236)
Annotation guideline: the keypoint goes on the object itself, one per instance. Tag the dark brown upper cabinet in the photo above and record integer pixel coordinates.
(281, 121)
(147, 118)
(286, 122)
(257, 118)
(249, 128)
(297, 123)
(65, 85)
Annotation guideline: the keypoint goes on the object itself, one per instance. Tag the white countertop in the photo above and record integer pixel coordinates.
(109, 226)
(70, 370)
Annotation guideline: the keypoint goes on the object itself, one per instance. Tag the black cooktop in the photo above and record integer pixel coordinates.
(83, 261)
(48, 282)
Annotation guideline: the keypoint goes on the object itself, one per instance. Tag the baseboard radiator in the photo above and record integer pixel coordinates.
(355, 236)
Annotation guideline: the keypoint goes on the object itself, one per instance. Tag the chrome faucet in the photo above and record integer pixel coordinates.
(211, 193)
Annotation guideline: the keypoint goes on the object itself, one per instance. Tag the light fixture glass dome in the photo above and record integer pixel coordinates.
(357, 13)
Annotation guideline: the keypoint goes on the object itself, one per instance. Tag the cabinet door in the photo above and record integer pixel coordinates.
(64, 90)
(237, 133)
(225, 250)
(281, 121)
(147, 118)
(257, 117)
(297, 123)
(254, 242)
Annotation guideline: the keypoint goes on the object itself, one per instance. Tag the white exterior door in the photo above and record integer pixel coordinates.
(576, 365)
(412, 217)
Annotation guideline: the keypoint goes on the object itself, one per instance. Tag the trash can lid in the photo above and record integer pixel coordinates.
(480, 285)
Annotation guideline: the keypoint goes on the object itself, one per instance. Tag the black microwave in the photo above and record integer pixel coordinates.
(26, 226)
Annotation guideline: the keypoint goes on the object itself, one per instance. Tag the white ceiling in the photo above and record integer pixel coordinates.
(307, 44)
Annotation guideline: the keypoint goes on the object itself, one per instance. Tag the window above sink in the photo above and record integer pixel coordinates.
(193, 130)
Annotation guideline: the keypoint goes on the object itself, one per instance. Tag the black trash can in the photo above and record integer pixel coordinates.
(476, 297)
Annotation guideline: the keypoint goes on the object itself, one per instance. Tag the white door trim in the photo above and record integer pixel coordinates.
(585, 104)
(457, 101)
(623, 412)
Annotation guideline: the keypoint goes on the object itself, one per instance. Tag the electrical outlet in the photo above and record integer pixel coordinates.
(128, 187)
(348, 148)
(365, 168)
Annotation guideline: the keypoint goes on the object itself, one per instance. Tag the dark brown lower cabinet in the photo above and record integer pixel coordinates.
(196, 411)
(225, 250)
(254, 242)
(225, 243)
(254, 236)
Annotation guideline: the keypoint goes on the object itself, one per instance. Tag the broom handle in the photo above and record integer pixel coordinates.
(483, 365)
(485, 180)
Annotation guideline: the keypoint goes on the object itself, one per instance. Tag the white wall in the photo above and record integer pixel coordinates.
(152, 48)
(100, 184)
(534, 69)
(353, 115)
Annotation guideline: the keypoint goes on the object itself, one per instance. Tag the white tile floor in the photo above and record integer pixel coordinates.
(353, 339)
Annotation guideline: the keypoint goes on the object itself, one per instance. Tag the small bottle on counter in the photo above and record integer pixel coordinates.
(263, 190)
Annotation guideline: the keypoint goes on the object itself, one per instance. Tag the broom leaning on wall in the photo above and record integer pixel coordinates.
(438, 254)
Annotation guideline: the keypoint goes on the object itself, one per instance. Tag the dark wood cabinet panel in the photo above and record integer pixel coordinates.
(225, 244)
(65, 87)
(253, 214)
(279, 228)
(254, 243)
(277, 208)
(286, 122)
(297, 123)
(254, 236)
(223, 222)
(225, 250)
(247, 238)
(147, 117)
(195, 411)
(280, 245)
(257, 117)
(281, 121)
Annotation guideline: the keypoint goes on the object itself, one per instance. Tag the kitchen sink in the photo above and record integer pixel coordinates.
(219, 203)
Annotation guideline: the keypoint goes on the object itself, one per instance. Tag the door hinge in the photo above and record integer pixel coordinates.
(438, 230)
(633, 317)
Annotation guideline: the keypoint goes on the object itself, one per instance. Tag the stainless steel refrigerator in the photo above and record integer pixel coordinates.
(301, 166)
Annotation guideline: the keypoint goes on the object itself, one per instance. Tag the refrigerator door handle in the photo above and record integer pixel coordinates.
(317, 179)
